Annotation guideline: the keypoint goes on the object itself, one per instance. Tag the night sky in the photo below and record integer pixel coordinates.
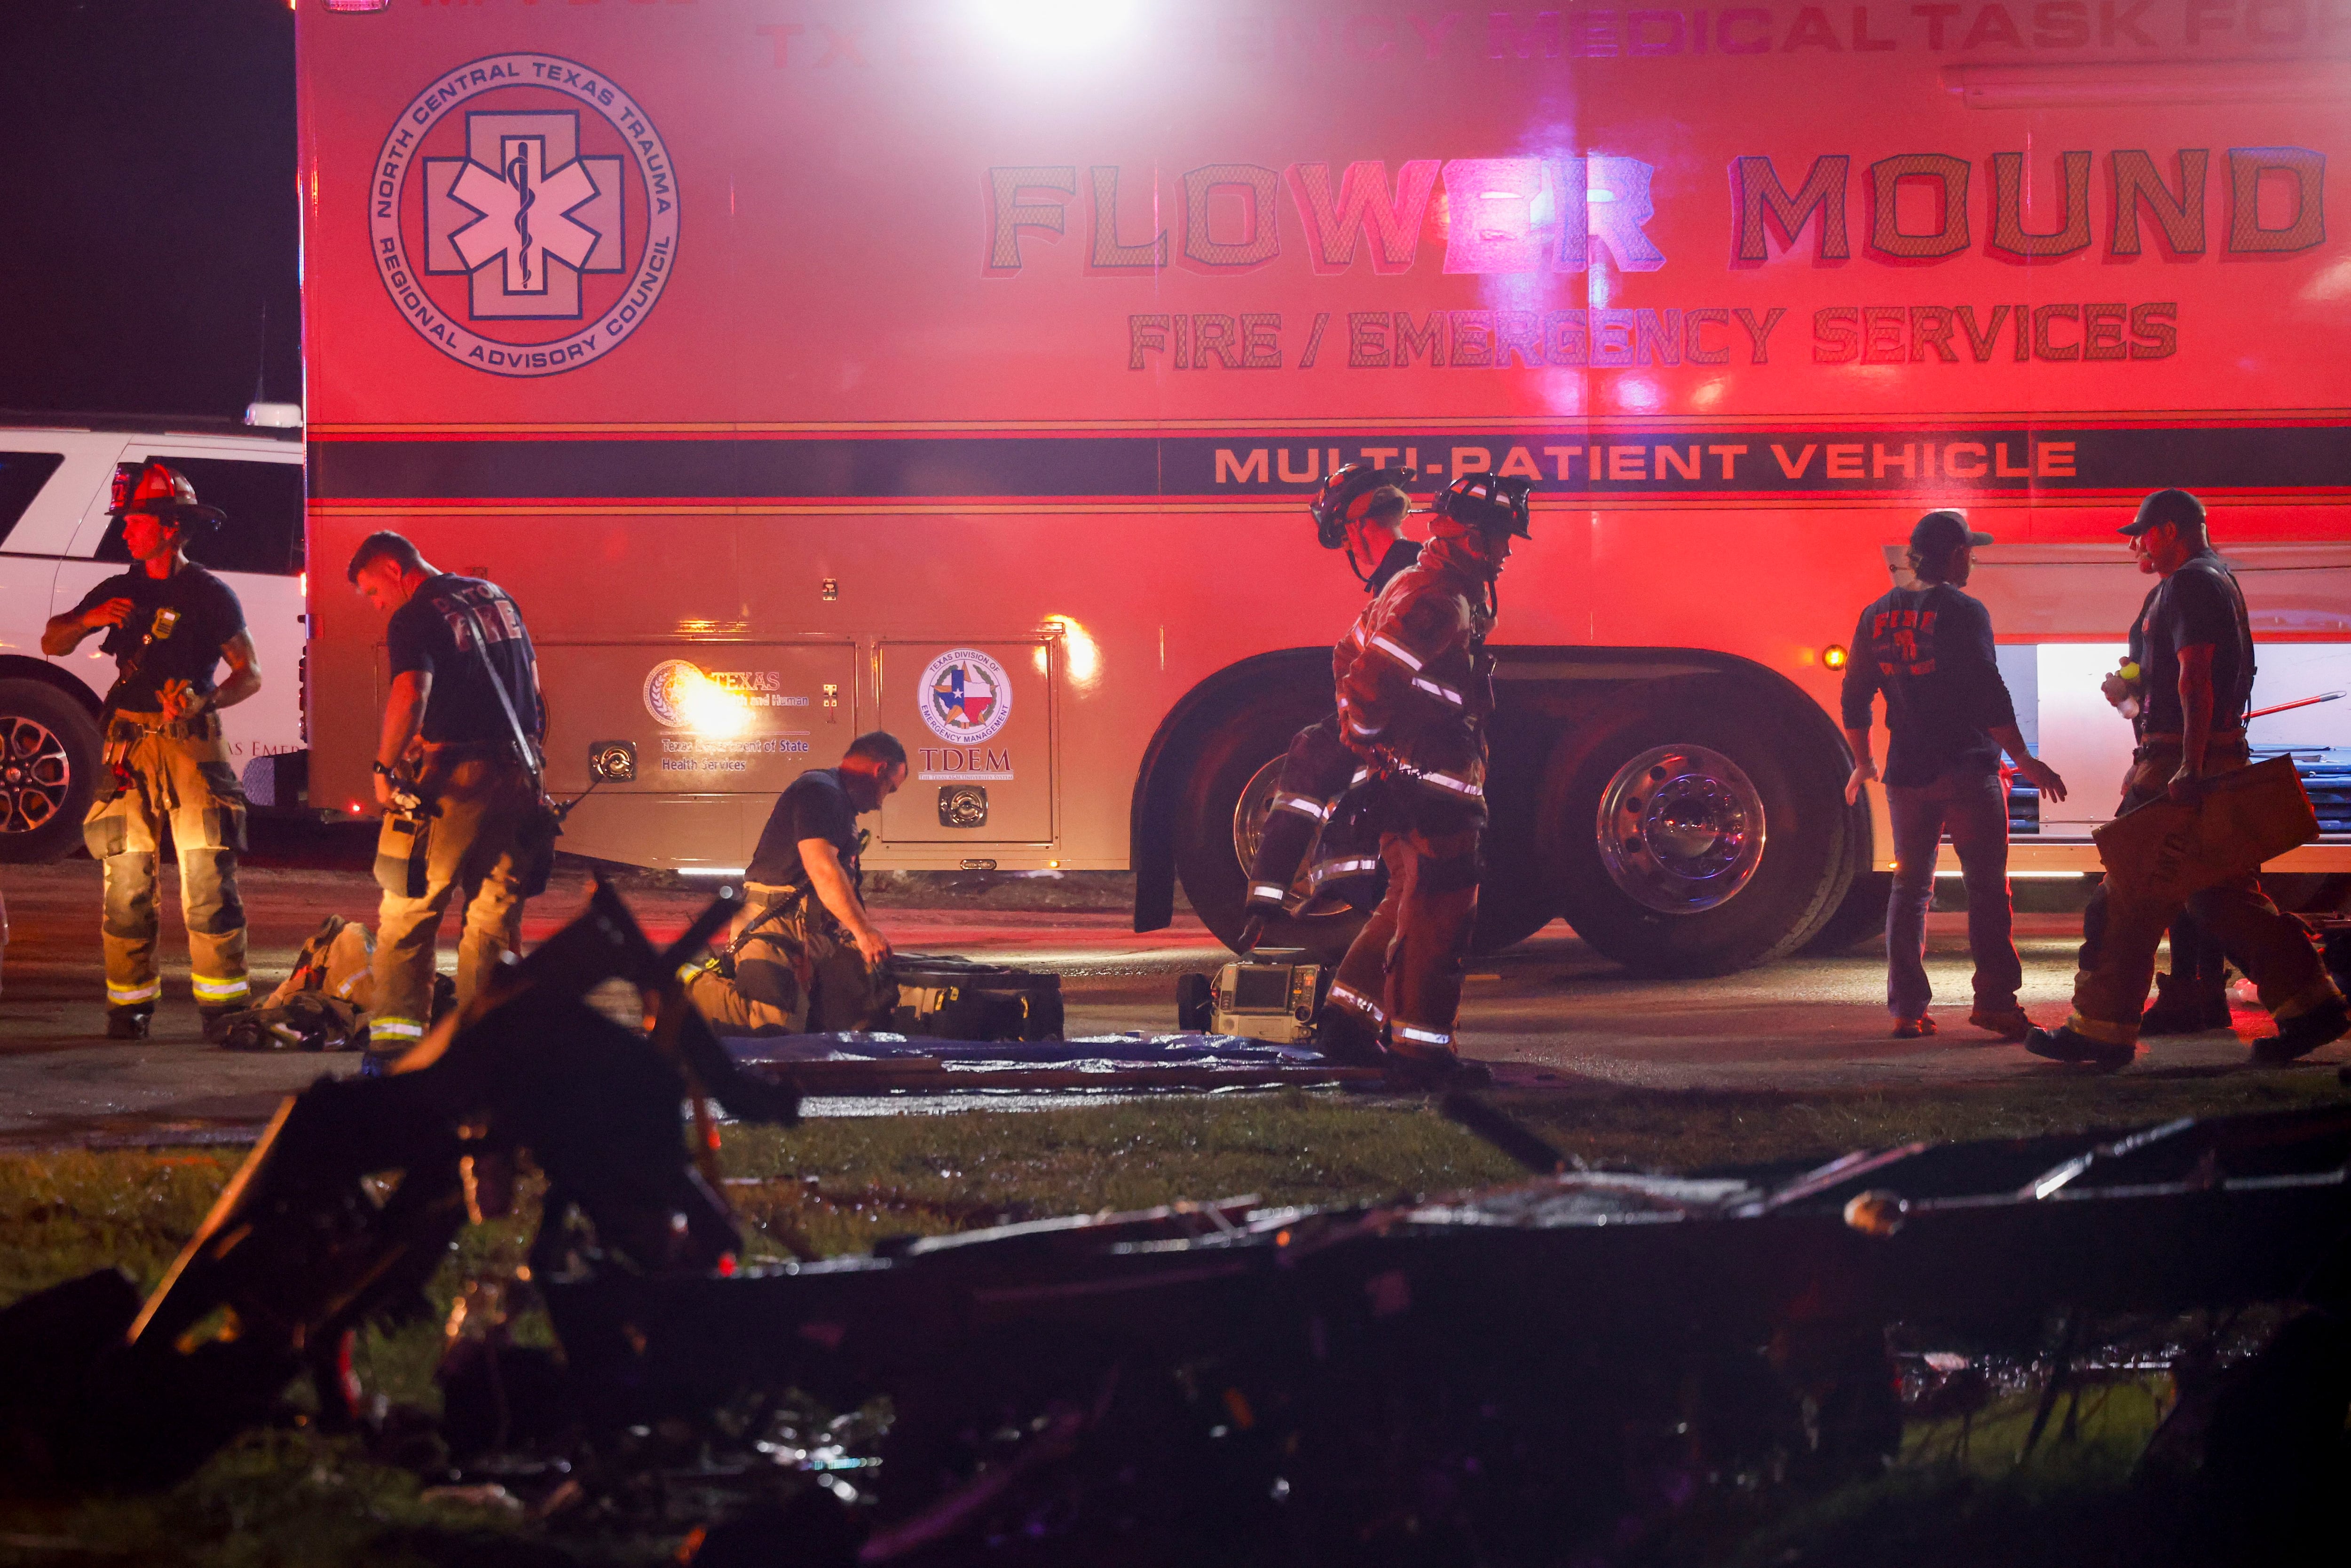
(147, 188)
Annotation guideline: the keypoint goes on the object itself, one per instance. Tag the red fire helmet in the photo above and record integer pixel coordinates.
(162, 492)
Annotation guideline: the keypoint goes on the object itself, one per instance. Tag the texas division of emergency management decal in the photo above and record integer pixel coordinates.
(964, 695)
(524, 214)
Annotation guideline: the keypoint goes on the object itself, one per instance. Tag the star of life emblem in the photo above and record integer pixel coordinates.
(524, 214)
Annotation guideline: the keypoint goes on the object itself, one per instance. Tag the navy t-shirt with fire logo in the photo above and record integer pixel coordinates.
(1929, 650)
(433, 632)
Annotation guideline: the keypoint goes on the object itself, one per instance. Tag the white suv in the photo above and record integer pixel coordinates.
(56, 543)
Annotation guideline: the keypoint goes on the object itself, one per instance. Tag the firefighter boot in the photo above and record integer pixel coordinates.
(1345, 1036)
(2183, 1006)
(2304, 1032)
(128, 1023)
(2068, 1045)
(1433, 1070)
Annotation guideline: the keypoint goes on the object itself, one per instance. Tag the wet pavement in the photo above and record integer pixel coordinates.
(1550, 1011)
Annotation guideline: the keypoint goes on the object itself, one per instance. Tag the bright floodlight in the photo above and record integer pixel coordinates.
(273, 415)
(1058, 26)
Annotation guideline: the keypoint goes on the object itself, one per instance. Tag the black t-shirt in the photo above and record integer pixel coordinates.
(1929, 650)
(430, 632)
(1400, 556)
(2198, 603)
(2138, 654)
(191, 613)
(816, 806)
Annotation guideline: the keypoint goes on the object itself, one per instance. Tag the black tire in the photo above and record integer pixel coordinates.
(1195, 1003)
(51, 754)
(1795, 872)
(1213, 875)
(1860, 918)
(2308, 891)
(1515, 900)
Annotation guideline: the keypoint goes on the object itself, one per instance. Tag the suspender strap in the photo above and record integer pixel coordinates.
(524, 749)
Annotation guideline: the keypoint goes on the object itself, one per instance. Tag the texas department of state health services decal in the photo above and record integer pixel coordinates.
(524, 214)
(966, 697)
(666, 689)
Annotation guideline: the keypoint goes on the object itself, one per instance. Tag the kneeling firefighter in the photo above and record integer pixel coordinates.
(1360, 509)
(806, 957)
(1414, 688)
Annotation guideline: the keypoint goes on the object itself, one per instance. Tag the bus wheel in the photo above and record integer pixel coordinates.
(1694, 837)
(1224, 803)
(1859, 918)
(49, 758)
(2307, 893)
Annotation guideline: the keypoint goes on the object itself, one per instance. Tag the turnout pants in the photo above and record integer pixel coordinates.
(797, 974)
(1971, 805)
(471, 855)
(2199, 966)
(1314, 773)
(2123, 924)
(179, 774)
(1403, 970)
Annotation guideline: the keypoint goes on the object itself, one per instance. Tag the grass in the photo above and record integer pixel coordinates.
(294, 1497)
(1693, 1129)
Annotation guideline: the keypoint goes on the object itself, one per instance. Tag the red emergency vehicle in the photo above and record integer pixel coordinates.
(962, 367)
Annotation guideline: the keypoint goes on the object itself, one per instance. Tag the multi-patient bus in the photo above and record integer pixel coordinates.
(962, 367)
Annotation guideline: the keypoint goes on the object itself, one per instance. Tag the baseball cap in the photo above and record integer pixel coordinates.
(2167, 507)
(1945, 530)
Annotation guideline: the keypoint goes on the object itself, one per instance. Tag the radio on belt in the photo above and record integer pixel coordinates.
(1273, 1002)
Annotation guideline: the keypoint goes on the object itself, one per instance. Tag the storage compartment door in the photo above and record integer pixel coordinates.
(715, 731)
(978, 722)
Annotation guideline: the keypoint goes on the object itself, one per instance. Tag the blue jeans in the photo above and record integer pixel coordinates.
(1972, 807)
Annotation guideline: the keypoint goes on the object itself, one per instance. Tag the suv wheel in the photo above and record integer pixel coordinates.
(49, 762)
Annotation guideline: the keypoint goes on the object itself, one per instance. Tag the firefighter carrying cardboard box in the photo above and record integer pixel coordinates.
(2195, 684)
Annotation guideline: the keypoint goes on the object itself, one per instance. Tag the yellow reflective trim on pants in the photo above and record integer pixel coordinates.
(2102, 1032)
(209, 989)
(395, 1028)
(1348, 996)
(123, 996)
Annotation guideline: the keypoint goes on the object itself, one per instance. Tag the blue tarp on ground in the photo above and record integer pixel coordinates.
(1105, 1054)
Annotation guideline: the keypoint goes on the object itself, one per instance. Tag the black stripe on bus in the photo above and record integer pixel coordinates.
(1792, 463)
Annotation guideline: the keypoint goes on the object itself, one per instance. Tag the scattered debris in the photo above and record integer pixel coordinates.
(1549, 1371)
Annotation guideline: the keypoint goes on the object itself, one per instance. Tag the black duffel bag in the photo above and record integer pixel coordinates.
(962, 998)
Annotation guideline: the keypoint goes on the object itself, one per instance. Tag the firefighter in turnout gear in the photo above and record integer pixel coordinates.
(1414, 688)
(169, 624)
(457, 769)
(806, 956)
(1360, 509)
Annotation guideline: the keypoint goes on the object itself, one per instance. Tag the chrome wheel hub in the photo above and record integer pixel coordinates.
(35, 774)
(1680, 829)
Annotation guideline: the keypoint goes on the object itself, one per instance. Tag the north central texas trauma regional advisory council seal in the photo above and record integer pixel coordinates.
(532, 231)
